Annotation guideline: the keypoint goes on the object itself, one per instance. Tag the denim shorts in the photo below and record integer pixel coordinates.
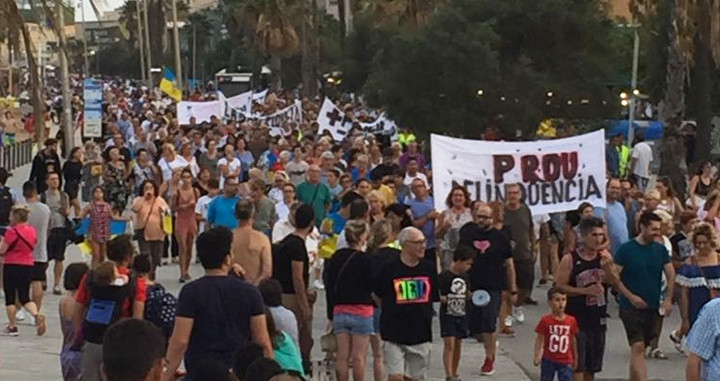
(377, 311)
(353, 324)
(549, 368)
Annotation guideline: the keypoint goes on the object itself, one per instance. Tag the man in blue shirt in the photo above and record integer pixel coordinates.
(703, 362)
(221, 211)
(424, 215)
(614, 216)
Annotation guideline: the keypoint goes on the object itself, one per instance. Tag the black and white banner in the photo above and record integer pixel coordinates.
(332, 119)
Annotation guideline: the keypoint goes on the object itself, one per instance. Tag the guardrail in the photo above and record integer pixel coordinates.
(16, 154)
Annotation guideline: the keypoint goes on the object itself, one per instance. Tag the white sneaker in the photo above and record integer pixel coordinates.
(319, 284)
(509, 321)
(519, 314)
(20, 315)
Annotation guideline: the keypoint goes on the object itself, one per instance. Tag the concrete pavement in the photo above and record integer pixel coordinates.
(32, 358)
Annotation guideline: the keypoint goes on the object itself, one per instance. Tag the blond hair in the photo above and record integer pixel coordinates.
(707, 230)
(21, 212)
(354, 230)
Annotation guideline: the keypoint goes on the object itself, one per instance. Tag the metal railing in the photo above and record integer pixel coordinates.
(16, 154)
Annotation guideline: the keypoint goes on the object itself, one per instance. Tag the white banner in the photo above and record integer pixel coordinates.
(332, 119)
(202, 111)
(555, 175)
(242, 101)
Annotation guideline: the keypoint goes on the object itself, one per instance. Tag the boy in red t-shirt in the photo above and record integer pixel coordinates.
(555, 345)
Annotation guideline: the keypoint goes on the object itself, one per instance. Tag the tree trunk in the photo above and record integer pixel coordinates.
(305, 62)
(315, 50)
(703, 82)
(276, 75)
(66, 121)
(672, 151)
(35, 83)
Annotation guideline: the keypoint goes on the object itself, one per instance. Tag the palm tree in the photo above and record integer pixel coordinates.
(11, 17)
(275, 36)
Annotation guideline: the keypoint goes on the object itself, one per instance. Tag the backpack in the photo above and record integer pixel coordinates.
(160, 307)
(105, 307)
(6, 203)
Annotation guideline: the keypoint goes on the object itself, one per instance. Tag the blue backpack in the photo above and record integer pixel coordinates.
(160, 307)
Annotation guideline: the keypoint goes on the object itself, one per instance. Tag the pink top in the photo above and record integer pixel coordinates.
(19, 251)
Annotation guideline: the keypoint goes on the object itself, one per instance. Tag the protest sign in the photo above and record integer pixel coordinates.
(243, 101)
(554, 175)
(202, 111)
(331, 118)
(92, 110)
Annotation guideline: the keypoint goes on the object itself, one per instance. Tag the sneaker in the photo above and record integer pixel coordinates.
(529, 302)
(319, 284)
(507, 331)
(677, 341)
(518, 314)
(57, 290)
(509, 321)
(10, 331)
(488, 368)
(20, 315)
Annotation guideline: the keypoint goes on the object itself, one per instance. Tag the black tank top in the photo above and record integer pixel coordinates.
(589, 311)
(702, 189)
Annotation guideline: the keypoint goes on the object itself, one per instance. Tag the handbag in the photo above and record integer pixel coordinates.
(140, 233)
(167, 223)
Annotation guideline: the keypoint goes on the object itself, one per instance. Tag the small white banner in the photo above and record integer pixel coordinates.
(555, 175)
(333, 119)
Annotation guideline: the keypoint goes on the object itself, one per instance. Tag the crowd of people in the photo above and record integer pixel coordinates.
(278, 222)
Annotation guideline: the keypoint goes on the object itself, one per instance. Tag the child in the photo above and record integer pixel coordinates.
(555, 343)
(160, 305)
(70, 355)
(100, 213)
(203, 203)
(454, 294)
(106, 274)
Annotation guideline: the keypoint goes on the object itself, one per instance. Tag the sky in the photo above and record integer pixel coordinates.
(103, 5)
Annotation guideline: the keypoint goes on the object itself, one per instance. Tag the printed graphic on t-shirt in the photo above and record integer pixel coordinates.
(482, 246)
(412, 290)
(558, 338)
(590, 277)
(456, 297)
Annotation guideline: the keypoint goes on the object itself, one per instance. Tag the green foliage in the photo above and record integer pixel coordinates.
(516, 51)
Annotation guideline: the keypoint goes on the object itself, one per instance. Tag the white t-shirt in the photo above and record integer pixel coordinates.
(538, 220)
(281, 211)
(168, 168)
(409, 179)
(642, 153)
(201, 207)
(232, 167)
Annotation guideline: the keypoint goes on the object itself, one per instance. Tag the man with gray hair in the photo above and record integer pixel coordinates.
(406, 286)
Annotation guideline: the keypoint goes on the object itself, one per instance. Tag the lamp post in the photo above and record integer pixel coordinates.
(633, 83)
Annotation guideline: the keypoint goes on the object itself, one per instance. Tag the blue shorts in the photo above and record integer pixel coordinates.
(353, 324)
(376, 319)
(548, 368)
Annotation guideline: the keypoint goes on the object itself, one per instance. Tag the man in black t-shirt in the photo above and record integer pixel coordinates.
(493, 270)
(290, 268)
(406, 287)
(216, 314)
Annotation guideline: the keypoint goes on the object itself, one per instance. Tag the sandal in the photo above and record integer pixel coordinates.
(40, 324)
(658, 354)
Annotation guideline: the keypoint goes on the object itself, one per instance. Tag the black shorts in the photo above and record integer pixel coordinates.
(453, 326)
(591, 350)
(56, 244)
(641, 325)
(39, 272)
(484, 319)
(524, 274)
(72, 188)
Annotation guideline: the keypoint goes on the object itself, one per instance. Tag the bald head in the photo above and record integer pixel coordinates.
(413, 243)
(483, 215)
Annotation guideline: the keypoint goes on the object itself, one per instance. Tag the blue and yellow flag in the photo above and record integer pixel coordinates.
(168, 85)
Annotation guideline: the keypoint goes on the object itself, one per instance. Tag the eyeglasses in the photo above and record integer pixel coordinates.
(419, 242)
(483, 216)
